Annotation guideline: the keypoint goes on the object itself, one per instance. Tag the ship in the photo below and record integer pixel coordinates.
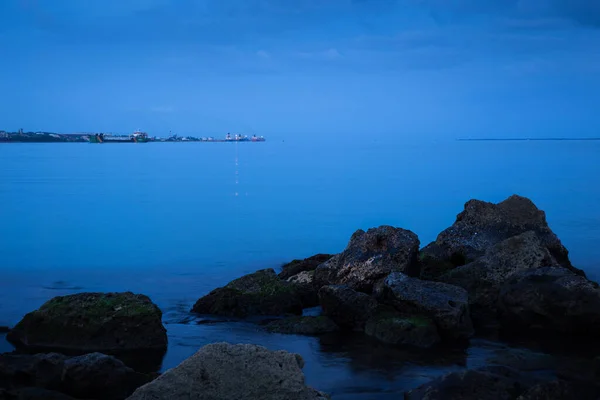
(136, 137)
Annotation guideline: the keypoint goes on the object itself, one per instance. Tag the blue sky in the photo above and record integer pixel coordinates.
(430, 68)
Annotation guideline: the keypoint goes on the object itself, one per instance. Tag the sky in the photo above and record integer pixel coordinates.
(360, 68)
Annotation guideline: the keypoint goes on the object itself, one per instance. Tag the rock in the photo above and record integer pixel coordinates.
(550, 299)
(446, 304)
(32, 393)
(303, 325)
(484, 277)
(225, 371)
(259, 293)
(4, 329)
(307, 290)
(483, 384)
(481, 225)
(561, 390)
(369, 257)
(523, 359)
(88, 322)
(97, 375)
(91, 376)
(308, 264)
(394, 328)
(346, 307)
(597, 366)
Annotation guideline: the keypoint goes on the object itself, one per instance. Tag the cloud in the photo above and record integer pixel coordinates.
(163, 109)
(330, 54)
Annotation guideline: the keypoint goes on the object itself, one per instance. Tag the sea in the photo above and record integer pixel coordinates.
(175, 220)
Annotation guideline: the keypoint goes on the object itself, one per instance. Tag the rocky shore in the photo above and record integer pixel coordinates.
(498, 272)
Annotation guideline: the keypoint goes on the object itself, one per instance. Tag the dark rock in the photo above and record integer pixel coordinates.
(550, 299)
(481, 225)
(446, 304)
(347, 307)
(561, 390)
(4, 329)
(484, 278)
(597, 367)
(97, 375)
(226, 371)
(303, 325)
(369, 257)
(394, 328)
(308, 264)
(88, 322)
(32, 393)
(260, 293)
(523, 359)
(483, 384)
(307, 290)
(91, 376)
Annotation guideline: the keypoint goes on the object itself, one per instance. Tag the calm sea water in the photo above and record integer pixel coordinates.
(174, 220)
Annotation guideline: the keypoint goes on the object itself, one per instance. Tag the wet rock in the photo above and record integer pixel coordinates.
(561, 390)
(259, 293)
(4, 329)
(226, 371)
(394, 328)
(346, 307)
(446, 304)
(481, 225)
(307, 290)
(484, 277)
(550, 299)
(88, 322)
(523, 359)
(484, 384)
(32, 394)
(369, 257)
(91, 376)
(308, 264)
(303, 325)
(97, 375)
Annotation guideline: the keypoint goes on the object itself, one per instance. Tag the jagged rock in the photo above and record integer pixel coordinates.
(259, 293)
(91, 376)
(308, 325)
(561, 390)
(307, 290)
(308, 264)
(88, 322)
(369, 257)
(447, 305)
(224, 371)
(491, 383)
(346, 307)
(394, 328)
(484, 277)
(552, 299)
(481, 225)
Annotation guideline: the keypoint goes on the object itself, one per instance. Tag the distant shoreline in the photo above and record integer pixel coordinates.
(526, 139)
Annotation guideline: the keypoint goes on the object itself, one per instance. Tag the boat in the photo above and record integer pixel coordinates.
(257, 139)
(136, 137)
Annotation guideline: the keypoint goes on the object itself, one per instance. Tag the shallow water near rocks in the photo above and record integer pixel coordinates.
(174, 221)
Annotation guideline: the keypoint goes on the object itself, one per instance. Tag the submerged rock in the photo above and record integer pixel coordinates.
(225, 371)
(307, 290)
(393, 328)
(446, 304)
(484, 278)
(308, 264)
(259, 293)
(550, 299)
(346, 307)
(369, 257)
(481, 225)
(491, 383)
(91, 376)
(309, 325)
(561, 390)
(88, 322)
